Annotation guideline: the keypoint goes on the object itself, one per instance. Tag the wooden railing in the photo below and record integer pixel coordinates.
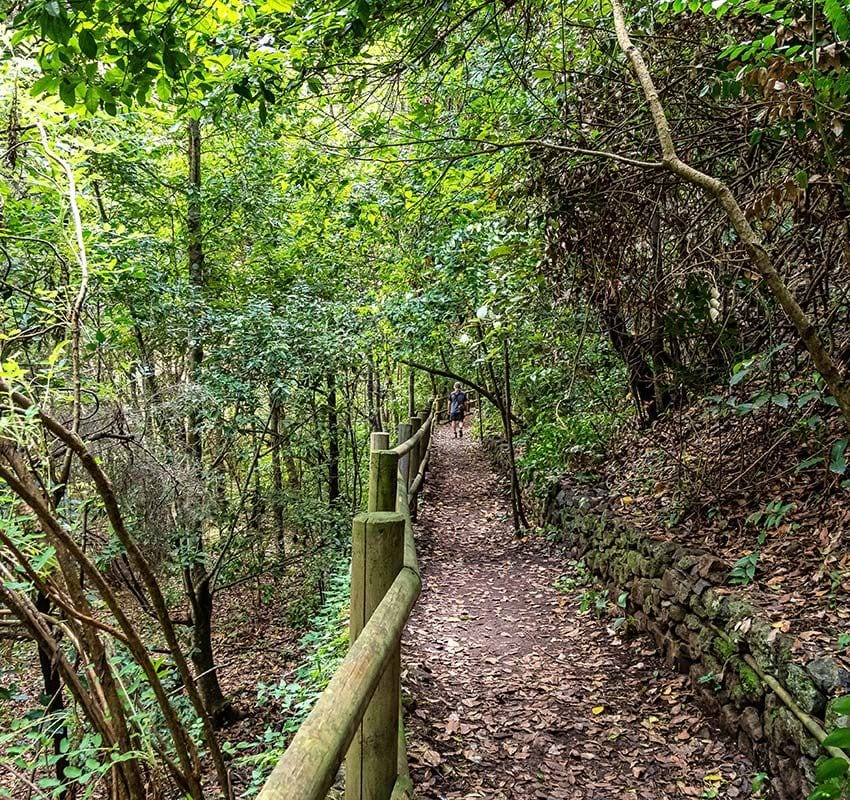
(359, 713)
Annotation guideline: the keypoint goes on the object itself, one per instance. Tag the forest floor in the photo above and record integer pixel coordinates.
(514, 693)
(715, 482)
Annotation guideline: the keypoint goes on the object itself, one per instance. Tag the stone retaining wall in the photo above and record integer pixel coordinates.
(679, 596)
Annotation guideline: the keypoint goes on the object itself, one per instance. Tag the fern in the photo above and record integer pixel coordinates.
(839, 18)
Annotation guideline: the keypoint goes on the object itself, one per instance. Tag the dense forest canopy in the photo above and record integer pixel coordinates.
(230, 232)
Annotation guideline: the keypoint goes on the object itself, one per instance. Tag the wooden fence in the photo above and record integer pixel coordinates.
(358, 716)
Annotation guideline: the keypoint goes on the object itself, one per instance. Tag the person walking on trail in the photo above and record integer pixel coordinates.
(458, 406)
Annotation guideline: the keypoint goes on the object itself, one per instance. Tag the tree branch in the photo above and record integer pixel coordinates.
(446, 373)
(821, 357)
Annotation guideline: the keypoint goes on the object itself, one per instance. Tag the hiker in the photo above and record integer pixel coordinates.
(458, 406)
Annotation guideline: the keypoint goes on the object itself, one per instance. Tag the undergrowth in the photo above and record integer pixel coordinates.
(323, 648)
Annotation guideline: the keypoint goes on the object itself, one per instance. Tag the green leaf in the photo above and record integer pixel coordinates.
(807, 397)
(842, 705)
(780, 400)
(53, 8)
(44, 85)
(72, 772)
(276, 6)
(809, 462)
(92, 99)
(169, 62)
(831, 768)
(163, 89)
(67, 93)
(55, 28)
(840, 737)
(825, 792)
(837, 459)
(837, 14)
(500, 250)
(87, 43)
(738, 376)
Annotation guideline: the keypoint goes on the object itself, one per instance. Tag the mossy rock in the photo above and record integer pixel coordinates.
(653, 567)
(700, 642)
(789, 736)
(633, 562)
(640, 590)
(714, 606)
(685, 559)
(738, 610)
(803, 690)
(745, 686)
(693, 622)
(663, 551)
(711, 665)
(770, 649)
(725, 647)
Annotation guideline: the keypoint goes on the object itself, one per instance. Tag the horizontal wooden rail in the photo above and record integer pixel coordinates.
(416, 483)
(411, 560)
(405, 447)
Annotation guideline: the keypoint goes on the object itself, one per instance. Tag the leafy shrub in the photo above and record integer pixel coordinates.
(324, 648)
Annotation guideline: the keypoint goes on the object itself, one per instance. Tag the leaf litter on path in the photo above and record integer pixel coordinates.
(511, 693)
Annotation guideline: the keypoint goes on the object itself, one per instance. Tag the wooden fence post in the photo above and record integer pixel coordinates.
(415, 453)
(377, 557)
(404, 433)
(415, 460)
(383, 474)
(423, 442)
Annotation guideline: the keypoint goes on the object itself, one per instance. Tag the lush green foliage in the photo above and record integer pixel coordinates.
(378, 183)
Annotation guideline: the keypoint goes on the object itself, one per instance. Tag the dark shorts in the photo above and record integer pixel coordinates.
(456, 416)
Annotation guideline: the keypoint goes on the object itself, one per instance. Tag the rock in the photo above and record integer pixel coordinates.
(750, 722)
(685, 558)
(803, 690)
(641, 589)
(700, 642)
(788, 735)
(745, 686)
(658, 633)
(712, 605)
(675, 584)
(729, 717)
(693, 622)
(792, 778)
(712, 569)
(766, 645)
(827, 675)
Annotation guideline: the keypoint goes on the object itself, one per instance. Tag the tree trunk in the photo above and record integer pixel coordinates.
(333, 441)
(277, 483)
(520, 520)
(52, 683)
(197, 576)
(217, 705)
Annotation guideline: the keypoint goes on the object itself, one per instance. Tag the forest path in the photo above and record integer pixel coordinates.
(515, 693)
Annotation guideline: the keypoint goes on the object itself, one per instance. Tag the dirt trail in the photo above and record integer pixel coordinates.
(514, 693)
